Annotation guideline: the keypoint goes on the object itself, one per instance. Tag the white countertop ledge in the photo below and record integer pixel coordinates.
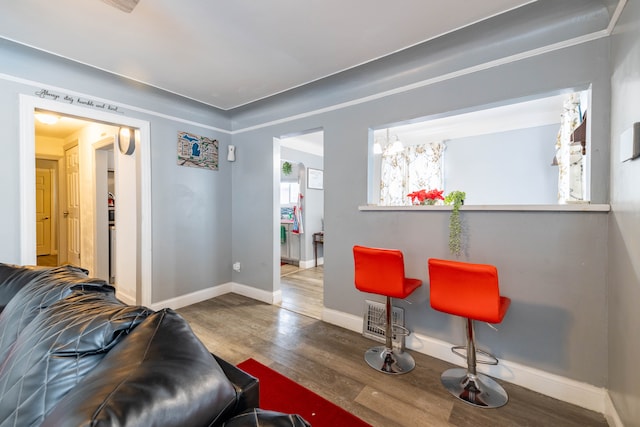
(569, 207)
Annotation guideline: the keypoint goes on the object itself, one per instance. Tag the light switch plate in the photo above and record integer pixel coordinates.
(630, 143)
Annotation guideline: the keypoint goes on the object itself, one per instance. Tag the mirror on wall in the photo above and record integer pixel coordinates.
(520, 152)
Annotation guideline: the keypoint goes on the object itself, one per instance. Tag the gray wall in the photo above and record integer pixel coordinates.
(624, 222)
(512, 167)
(553, 265)
(191, 208)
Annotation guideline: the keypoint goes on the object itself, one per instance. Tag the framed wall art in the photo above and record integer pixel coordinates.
(197, 151)
(315, 179)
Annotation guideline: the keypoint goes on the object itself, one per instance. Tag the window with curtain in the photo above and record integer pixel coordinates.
(414, 168)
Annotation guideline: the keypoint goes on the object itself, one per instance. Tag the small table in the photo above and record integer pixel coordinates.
(317, 238)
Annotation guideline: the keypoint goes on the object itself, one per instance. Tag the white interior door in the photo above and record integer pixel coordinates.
(43, 212)
(72, 211)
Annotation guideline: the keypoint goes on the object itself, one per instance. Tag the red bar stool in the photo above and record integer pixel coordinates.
(381, 271)
(470, 291)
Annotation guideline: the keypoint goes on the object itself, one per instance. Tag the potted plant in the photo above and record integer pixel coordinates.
(455, 198)
(286, 168)
(424, 197)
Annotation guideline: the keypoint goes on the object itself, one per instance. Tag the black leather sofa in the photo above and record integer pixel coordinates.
(72, 354)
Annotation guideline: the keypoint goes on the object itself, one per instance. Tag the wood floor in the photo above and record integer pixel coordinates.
(302, 290)
(47, 260)
(329, 360)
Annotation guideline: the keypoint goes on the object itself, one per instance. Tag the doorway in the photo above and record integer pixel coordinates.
(135, 266)
(300, 220)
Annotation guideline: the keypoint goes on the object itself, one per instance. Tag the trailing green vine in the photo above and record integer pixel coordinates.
(455, 198)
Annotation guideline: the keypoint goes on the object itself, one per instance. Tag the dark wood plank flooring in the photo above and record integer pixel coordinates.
(329, 360)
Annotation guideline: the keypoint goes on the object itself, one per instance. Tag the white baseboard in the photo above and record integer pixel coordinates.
(125, 298)
(216, 291)
(561, 388)
(307, 263)
(194, 297)
(310, 263)
(611, 414)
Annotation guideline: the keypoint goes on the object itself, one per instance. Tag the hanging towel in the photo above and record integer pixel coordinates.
(297, 220)
(296, 224)
(283, 234)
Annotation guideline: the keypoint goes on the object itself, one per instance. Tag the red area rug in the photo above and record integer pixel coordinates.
(279, 393)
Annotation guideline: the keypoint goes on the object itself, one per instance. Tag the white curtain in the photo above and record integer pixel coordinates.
(569, 181)
(416, 167)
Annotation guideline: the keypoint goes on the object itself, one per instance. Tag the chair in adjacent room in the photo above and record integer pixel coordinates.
(470, 291)
(381, 271)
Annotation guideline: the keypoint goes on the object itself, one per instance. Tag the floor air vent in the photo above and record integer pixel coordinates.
(373, 323)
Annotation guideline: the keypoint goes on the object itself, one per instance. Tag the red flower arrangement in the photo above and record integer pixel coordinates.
(424, 197)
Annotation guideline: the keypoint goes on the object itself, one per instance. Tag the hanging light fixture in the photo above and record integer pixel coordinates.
(397, 146)
(377, 148)
(46, 118)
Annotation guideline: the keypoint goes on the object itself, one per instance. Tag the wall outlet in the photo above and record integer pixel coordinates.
(236, 266)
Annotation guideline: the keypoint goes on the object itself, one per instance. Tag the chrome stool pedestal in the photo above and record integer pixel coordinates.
(469, 386)
(385, 358)
(478, 390)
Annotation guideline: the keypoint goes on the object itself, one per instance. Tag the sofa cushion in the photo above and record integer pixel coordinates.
(8, 288)
(262, 418)
(160, 375)
(56, 349)
(35, 289)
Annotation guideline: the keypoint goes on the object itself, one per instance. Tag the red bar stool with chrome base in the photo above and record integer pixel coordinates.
(470, 291)
(381, 271)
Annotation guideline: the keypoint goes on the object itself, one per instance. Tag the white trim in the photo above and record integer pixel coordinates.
(215, 291)
(437, 79)
(616, 15)
(555, 386)
(611, 414)
(28, 254)
(27, 106)
(125, 298)
(193, 298)
(310, 263)
(64, 91)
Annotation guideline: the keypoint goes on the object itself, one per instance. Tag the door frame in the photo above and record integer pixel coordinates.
(28, 105)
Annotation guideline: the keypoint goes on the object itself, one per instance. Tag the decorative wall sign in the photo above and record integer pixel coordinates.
(197, 151)
(72, 99)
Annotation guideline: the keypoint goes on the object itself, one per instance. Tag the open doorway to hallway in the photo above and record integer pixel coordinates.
(60, 195)
(132, 182)
(301, 222)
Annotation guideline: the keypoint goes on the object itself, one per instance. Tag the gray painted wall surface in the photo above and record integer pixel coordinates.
(505, 168)
(553, 264)
(624, 222)
(191, 208)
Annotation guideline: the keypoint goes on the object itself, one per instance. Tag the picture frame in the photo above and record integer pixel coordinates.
(315, 179)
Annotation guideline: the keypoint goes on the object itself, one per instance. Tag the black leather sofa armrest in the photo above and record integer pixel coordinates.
(247, 386)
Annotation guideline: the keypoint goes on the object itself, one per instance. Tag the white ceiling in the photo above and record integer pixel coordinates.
(231, 53)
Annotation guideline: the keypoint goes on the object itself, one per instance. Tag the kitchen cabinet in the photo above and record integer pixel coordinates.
(289, 244)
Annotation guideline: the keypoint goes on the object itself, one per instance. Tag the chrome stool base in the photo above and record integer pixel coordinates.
(389, 361)
(478, 390)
